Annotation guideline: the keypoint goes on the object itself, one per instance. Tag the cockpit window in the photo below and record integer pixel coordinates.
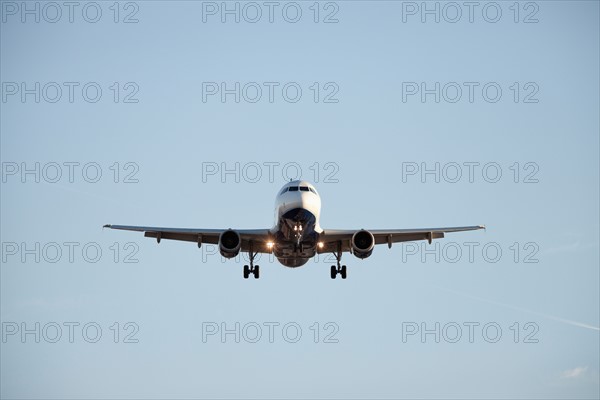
(293, 188)
(283, 191)
(304, 188)
(312, 190)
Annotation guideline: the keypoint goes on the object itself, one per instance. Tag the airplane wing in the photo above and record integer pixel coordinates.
(259, 237)
(333, 240)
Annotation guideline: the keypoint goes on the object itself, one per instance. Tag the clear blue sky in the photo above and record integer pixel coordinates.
(369, 134)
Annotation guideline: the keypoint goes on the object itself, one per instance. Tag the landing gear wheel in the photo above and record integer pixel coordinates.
(338, 269)
(333, 271)
(251, 269)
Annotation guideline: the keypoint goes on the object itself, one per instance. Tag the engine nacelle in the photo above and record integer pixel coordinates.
(363, 243)
(230, 243)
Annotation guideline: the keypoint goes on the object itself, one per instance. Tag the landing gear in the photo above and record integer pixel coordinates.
(339, 269)
(252, 269)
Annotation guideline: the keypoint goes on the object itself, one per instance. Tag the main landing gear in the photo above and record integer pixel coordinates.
(340, 269)
(252, 269)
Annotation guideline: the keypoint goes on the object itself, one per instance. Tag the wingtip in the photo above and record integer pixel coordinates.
(107, 226)
(482, 227)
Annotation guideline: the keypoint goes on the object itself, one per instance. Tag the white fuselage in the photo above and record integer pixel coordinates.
(296, 229)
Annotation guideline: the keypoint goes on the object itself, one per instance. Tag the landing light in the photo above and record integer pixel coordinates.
(270, 245)
(320, 244)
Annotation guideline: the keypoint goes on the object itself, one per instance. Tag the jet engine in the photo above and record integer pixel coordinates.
(230, 243)
(363, 243)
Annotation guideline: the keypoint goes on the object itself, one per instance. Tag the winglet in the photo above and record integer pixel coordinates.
(107, 226)
(482, 227)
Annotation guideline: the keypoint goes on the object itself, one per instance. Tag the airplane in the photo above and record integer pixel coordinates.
(297, 235)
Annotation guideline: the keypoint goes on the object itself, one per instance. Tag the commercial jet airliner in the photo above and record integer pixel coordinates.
(297, 235)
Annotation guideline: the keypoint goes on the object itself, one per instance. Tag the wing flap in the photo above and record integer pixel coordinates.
(340, 239)
(406, 237)
(186, 237)
(255, 239)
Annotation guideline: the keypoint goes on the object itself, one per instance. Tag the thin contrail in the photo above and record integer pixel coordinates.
(548, 316)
